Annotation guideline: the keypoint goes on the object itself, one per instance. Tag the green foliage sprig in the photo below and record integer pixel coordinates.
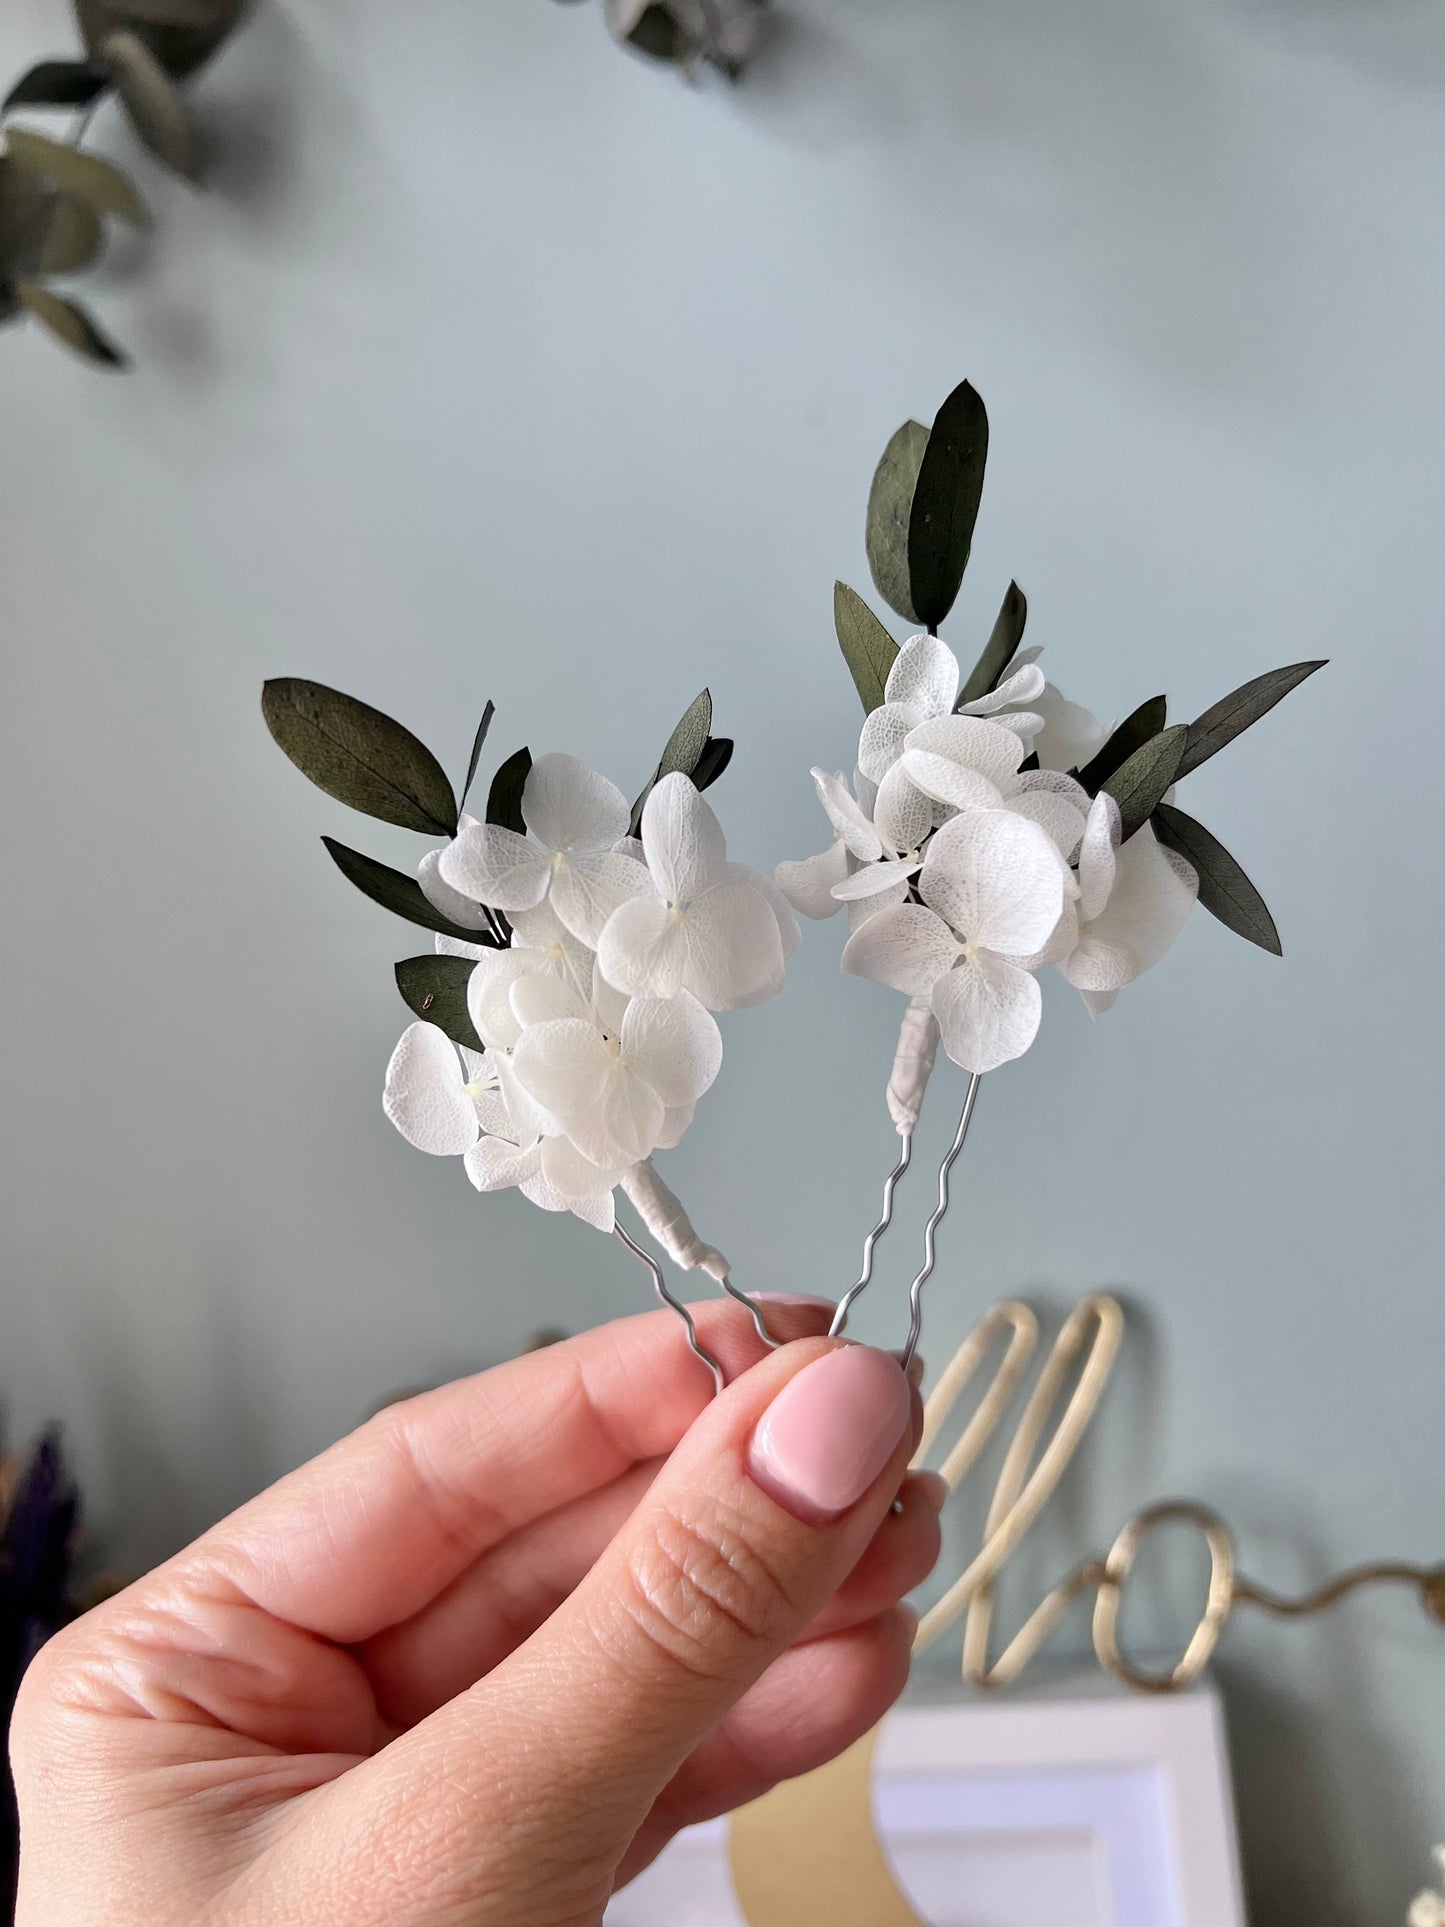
(689, 34)
(922, 509)
(55, 198)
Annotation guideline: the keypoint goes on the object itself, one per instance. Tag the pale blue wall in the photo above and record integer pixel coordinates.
(497, 364)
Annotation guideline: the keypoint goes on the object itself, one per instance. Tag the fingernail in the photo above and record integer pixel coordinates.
(830, 1432)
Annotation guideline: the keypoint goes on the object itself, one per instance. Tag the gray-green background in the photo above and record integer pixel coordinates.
(496, 363)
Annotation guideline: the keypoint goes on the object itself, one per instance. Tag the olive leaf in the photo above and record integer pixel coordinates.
(436, 989)
(151, 100)
(1141, 780)
(1135, 730)
(358, 755)
(890, 502)
(57, 83)
(868, 649)
(396, 891)
(504, 799)
(69, 323)
(1224, 890)
(717, 753)
(1234, 713)
(477, 741)
(681, 753)
(90, 180)
(1000, 649)
(945, 504)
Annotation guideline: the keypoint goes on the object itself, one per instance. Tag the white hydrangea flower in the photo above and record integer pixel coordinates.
(704, 926)
(616, 1089)
(1428, 1908)
(455, 1102)
(576, 855)
(541, 946)
(1071, 736)
(923, 684)
(461, 909)
(1133, 901)
(993, 892)
(808, 884)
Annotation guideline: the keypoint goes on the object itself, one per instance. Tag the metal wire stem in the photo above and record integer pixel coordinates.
(915, 1290)
(695, 1344)
(755, 1311)
(845, 1303)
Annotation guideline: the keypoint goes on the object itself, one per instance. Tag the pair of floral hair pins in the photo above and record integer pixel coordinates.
(566, 1017)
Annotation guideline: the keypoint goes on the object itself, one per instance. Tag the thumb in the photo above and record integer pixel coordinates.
(762, 1511)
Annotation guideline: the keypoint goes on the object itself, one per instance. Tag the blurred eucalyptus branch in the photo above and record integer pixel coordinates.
(689, 33)
(54, 197)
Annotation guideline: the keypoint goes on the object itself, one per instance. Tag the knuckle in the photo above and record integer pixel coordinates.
(694, 1583)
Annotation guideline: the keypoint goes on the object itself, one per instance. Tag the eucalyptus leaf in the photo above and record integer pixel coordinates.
(57, 83)
(890, 502)
(477, 741)
(1234, 713)
(436, 989)
(1140, 781)
(1000, 649)
(504, 799)
(72, 171)
(73, 238)
(945, 504)
(868, 649)
(69, 323)
(1224, 890)
(27, 208)
(1135, 730)
(717, 753)
(152, 102)
(359, 756)
(396, 891)
(681, 751)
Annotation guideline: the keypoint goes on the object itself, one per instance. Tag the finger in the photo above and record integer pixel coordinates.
(759, 1515)
(444, 1476)
(806, 1709)
(503, 1597)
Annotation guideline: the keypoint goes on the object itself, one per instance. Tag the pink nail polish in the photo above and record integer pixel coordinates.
(830, 1432)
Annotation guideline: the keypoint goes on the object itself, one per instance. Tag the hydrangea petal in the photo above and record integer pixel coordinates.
(568, 806)
(454, 947)
(561, 1065)
(643, 949)
(907, 948)
(676, 1123)
(881, 742)
(788, 933)
(542, 997)
(1097, 860)
(1154, 892)
(873, 879)
(494, 1165)
(1070, 735)
(988, 1012)
(587, 889)
(1099, 963)
(949, 782)
(441, 896)
(630, 1119)
(974, 742)
(424, 1096)
(924, 676)
(1060, 819)
(902, 815)
(567, 1171)
(1023, 684)
(734, 950)
(1000, 876)
(674, 1045)
(857, 834)
(862, 909)
(808, 884)
(489, 993)
(488, 864)
(685, 846)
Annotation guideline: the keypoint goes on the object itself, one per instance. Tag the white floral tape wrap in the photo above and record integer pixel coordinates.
(912, 1065)
(661, 1211)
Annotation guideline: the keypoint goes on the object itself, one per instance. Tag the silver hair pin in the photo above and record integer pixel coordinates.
(695, 1344)
(845, 1303)
(754, 1309)
(915, 1290)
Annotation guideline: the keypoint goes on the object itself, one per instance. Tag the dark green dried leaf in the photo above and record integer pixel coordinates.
(179, 13)
(69, 323)
(180, 47)
(477, 741)
(358, 755)
(1234, 713)
(57, 83)
(890, 502)
(1135, 730)
(1138, 784)
(868, 649)
(945, 504)
(717, 753)
(1001, 647)
(73, 238)
(72, 171)
(155, 108)
(396, 891)
(504, 799)
(436, 989)
(1224, 890)
(683, 748)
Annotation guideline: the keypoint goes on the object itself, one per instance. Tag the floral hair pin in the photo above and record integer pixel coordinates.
(564, 1025)
(991, 827)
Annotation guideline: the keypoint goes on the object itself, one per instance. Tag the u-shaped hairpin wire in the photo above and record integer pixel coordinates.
(915, 1290)
(845, 1303)
(695, 1344)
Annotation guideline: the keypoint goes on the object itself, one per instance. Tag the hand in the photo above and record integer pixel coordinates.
(476, 1664)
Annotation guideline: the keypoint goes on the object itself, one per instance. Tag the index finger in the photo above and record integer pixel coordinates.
(368, 1533)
